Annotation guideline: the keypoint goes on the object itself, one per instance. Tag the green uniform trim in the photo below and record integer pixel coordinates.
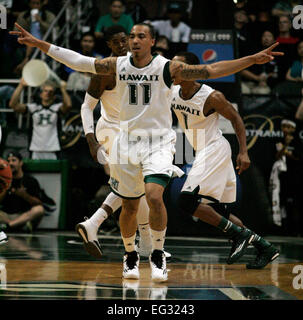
(123, 197)
(161, 179)
(166, 75)
(133, 64)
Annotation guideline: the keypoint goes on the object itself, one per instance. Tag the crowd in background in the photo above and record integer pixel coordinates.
(256, 25)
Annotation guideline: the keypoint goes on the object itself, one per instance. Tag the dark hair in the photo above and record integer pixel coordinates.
(14, 153)
(190, 58)
(88, 34)
(111, 31)
(151, 28)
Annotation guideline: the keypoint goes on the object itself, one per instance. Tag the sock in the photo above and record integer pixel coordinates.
(158, 238)
(113, 201)
(98, 217)
(129, 243)
(260, 243)
(228, 227)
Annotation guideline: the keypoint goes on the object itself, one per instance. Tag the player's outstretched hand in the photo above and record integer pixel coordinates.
(243, 162)
(267, 55)
(24, 37)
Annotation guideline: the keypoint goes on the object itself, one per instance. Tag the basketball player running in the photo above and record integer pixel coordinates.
(144, 89)
(212, 180)
(104, 88)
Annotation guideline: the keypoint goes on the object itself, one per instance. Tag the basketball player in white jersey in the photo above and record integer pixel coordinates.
(104, 88)
(142, 153)
(212, 182)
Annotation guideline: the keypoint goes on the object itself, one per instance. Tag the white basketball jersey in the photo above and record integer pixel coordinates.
(45, 127)
(191, 117)
(110, 105)
(145, 96)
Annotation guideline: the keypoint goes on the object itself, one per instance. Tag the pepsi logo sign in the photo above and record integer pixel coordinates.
(209, 56)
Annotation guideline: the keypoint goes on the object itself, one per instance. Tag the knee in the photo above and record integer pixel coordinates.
(130, 208)
(154, 200)
(38, 210)
(188, 203)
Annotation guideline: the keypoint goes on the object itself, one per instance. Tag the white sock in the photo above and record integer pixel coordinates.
(158, 238)
(98, 217)
(129, 243)
(113, 201)
(143, 221)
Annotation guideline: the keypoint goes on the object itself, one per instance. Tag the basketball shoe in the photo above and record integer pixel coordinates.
(264, 257)
(239, 245)
(157, 262)
(131, 265)
(3, 237)
(88, 233)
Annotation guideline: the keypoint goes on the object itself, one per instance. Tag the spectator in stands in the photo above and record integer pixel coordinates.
(45, 119)
(115, 17)
(22, 206)
(285, 36)
(282, 8)
(291, 149)
(287, 45)
(173, 28)
(177, 31)
(87, 48)
(241, 29)
(295, 72)
(135, 10)
(36, 20)
(259, 79)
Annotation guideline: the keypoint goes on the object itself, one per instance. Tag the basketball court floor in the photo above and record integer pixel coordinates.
(54, 265)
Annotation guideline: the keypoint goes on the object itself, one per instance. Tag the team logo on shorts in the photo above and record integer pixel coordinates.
(209, 56)
(114, 183)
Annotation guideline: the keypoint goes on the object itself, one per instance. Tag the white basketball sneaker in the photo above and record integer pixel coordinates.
(131, 265)
(88, 233)
(3, 237)
(157, 262)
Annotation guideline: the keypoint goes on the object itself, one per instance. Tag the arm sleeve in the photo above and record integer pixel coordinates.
(87, 115)
(72, 59)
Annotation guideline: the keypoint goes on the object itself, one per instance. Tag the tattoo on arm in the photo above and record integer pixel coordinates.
(194, 72)
(106, 66)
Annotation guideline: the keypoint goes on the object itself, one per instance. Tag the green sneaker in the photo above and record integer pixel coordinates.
(264, 257)
(240, 243)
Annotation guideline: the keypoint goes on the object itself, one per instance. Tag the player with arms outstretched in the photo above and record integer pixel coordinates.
(103, 88)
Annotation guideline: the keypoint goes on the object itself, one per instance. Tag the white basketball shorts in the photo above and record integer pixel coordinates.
(213, 173)
(136, 160)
